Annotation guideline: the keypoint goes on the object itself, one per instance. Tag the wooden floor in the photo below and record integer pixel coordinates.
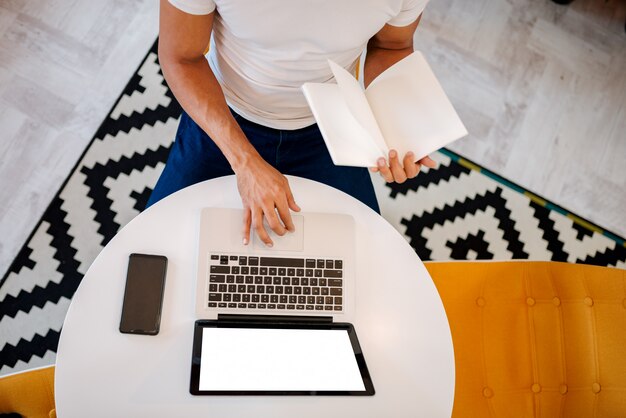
(541, 88)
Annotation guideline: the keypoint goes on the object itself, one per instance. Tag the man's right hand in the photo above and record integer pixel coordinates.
(265, 193)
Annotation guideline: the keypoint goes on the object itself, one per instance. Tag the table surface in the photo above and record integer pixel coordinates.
(399, 318)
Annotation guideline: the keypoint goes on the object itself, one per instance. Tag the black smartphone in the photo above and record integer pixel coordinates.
(143, 297)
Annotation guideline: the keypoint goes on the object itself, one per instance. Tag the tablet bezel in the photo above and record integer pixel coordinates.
(194, 387)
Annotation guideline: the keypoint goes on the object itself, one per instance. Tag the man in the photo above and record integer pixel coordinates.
(245, 112)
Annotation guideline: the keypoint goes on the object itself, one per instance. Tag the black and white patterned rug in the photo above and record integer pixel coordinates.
(459, 211)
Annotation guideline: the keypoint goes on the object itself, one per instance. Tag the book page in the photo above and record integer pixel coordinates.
(346, 139)
(355, 98)
(411, 108)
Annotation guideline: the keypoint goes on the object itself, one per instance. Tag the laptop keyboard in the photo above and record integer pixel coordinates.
(275, 283)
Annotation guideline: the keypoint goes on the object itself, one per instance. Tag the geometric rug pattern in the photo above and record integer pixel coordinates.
(458, 211)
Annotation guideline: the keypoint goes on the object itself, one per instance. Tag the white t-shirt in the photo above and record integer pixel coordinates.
(262, 51)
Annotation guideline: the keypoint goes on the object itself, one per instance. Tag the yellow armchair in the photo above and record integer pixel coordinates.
(536, 339)
(29, 393)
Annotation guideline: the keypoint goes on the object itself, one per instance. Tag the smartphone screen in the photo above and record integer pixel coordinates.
(143, 297)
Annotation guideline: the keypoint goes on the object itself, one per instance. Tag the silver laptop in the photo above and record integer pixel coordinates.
(306, 273)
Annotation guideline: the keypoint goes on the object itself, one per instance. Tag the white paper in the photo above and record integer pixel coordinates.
(404, 108)
(411, 108)
(347, 140)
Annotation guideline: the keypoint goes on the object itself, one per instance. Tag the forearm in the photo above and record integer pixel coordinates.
(388, 46)
(379, 59)
(199, 93)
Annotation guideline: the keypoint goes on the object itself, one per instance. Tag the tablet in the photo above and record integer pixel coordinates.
(259, 358)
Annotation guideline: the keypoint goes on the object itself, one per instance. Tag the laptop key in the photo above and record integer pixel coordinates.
(236, 297)
(282, 262)
(318, 273)
(309, 273)
(215, 257)
(256, 298)
(299, 272)
(319, 300)
(265, 298)
(320, 264)
(283, 272)
(271, 306)
(220, 269)
(269, 289)
(241, 305)
(258, 280)
(215, 297)
(239, 279)
(293, 299)
(254, 271)
(230, 279)
(338, 300)
(291, 307)
(284, 299)
(232, 288)
(310, 299)
(227, 297)
(241, 288)
(222, 305)
(310, 307)
(212, 287)
(267, 280)
(306, 290)
(329, 264)
(276, 280)
(288, 290)
(337, 308)
(338, 264)
(245, 270)
(300, 307)
(250, 288)
(223, 288)
(301, 299)
(323, 282)
(252, 305)
(324, 290)
(232, 305)
(328, 300)
(217, 278)
(335, 282)
(280, 306)
(253, 261)
(315, 291)
(274, 299)
(224, 259)
(310, 263)
(336, 291)
(243, 260)
(233, 258)
(263, 271)
(262, 306)
(278, 290)
(249, 279)
(328, 308)
(234, 269)
(319, 308)
(286, 281)
(212, 304)
(245, 298)
(333, 273)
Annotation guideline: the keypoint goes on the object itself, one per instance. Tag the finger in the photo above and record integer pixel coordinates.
(291, 201)
(396, 169)
(428, 162)
(257, 223)
(410, 168)
(272, 220)
(285, 216)
(374, 169)
(247, 220)
(384, 170)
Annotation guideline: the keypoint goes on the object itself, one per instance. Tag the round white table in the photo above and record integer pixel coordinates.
(400, 321)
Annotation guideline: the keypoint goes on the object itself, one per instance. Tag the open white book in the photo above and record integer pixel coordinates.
(404, 109)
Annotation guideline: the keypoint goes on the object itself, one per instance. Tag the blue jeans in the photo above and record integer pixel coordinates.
(194, 157)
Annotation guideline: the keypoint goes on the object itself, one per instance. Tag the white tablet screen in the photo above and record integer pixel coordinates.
(251, 359)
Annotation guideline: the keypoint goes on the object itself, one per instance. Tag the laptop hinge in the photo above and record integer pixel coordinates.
(274, 319)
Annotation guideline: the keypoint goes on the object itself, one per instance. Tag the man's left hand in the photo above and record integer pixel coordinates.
(394, 171)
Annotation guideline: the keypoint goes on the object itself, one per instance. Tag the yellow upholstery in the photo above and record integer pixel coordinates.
(536, 339)
(30, 393)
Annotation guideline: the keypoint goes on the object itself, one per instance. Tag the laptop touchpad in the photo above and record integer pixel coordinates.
(291, 241)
